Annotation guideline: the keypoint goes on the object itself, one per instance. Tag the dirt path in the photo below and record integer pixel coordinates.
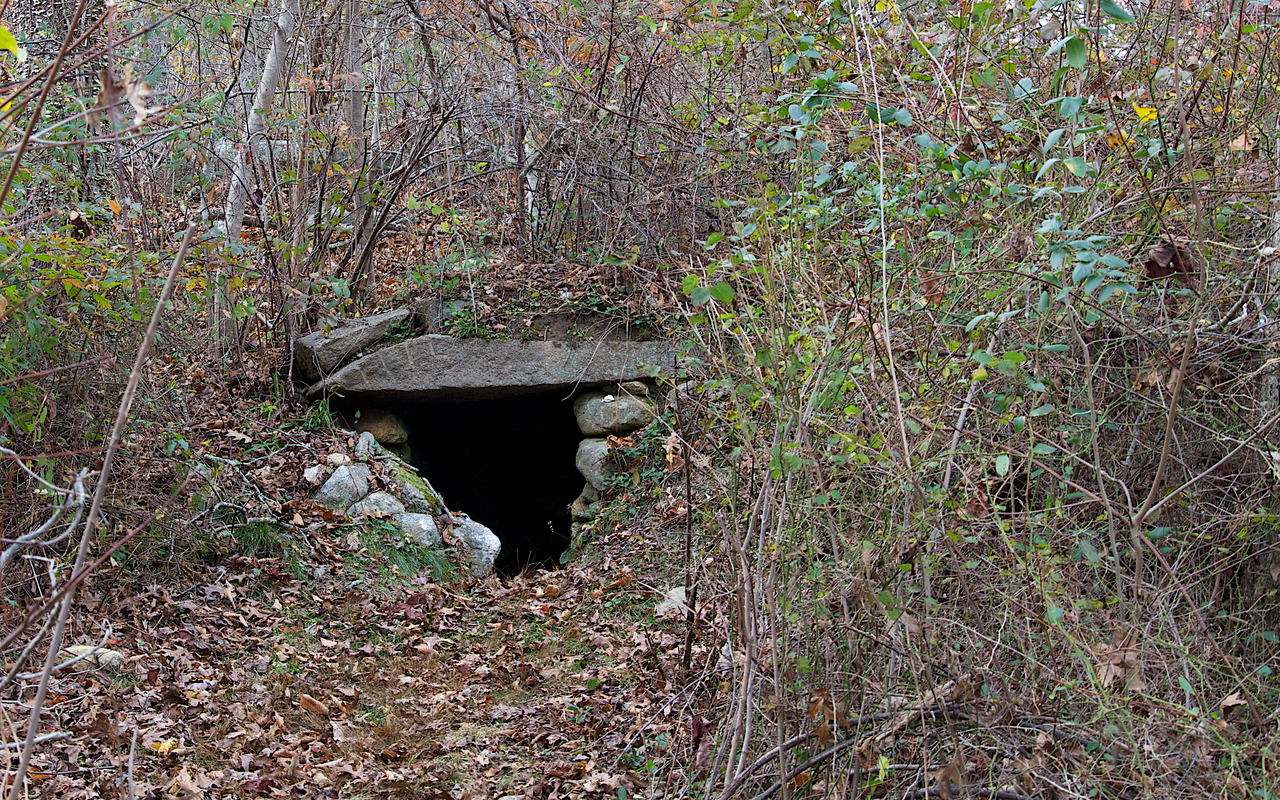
(249, 683)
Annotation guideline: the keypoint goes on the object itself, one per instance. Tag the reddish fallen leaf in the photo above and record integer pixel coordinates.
(931, 286)
(1168, 258)
(309, 704)
(977, 506)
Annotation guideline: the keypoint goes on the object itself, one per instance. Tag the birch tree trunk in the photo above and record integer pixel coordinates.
(361, 213)
(223, 323)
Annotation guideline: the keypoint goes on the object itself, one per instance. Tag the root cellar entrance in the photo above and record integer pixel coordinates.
(508, 463)
(496, 426)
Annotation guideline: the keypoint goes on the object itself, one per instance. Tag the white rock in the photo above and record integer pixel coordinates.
(366, 445)
(345, 486)
(105, 658)
(479, 545)
(339, 459)
(378, 504)
(316, 474)
(419, 527)
(673, 604)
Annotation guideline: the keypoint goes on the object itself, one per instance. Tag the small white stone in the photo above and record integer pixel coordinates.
(339, 459)
(673, 604)
(316, 474)
(608, 398)
(93, 656)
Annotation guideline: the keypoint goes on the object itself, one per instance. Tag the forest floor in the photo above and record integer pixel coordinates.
(246, 682)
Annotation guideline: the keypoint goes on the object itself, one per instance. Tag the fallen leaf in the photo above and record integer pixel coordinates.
(1168, 258)
(932, 288)
(308, 703)
(1231, 701)
(1145, 113)
(1242, 144)
(164, 747)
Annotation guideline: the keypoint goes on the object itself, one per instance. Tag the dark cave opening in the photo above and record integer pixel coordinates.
(508, 463)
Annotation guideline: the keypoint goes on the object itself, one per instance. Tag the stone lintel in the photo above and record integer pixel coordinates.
(442, 368)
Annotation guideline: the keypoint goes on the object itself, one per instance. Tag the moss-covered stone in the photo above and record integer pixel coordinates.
(429, 499)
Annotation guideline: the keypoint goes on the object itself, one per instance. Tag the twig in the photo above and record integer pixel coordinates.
(30, 376)
(48, 737)
(133, 750)
(90, 525)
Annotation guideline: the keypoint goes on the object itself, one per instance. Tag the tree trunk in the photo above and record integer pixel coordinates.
(242, 175)
(362, 215)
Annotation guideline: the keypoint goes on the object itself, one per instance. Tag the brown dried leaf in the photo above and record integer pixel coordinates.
(1231, 701)
(311, 705)
(674, 451)
(1243, 144)
(1120, 663)
(1168, 258)
(932, 288)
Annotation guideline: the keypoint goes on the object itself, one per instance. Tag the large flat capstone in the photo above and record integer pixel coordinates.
(437, 367)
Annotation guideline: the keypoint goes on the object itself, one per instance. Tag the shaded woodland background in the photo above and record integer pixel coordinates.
(975, 484)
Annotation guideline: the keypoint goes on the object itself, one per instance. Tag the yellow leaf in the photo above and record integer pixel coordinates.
(980, 374)
(1118, 138)
(1145, 113)
(114, 206)
(164, 747)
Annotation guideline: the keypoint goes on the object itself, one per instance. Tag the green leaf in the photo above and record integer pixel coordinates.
(903, 117)
(722, 291)
(1047, 408)
(1088, 552)
(1083, 270)
(1050, 225)
(882, 116)
(1043, 449)
(1078, 166)
(1115, 12)
(1052, 139)
(1023, 89)
(1077, 53)
(700, 296)
(1070, 106)
(1002, 464)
